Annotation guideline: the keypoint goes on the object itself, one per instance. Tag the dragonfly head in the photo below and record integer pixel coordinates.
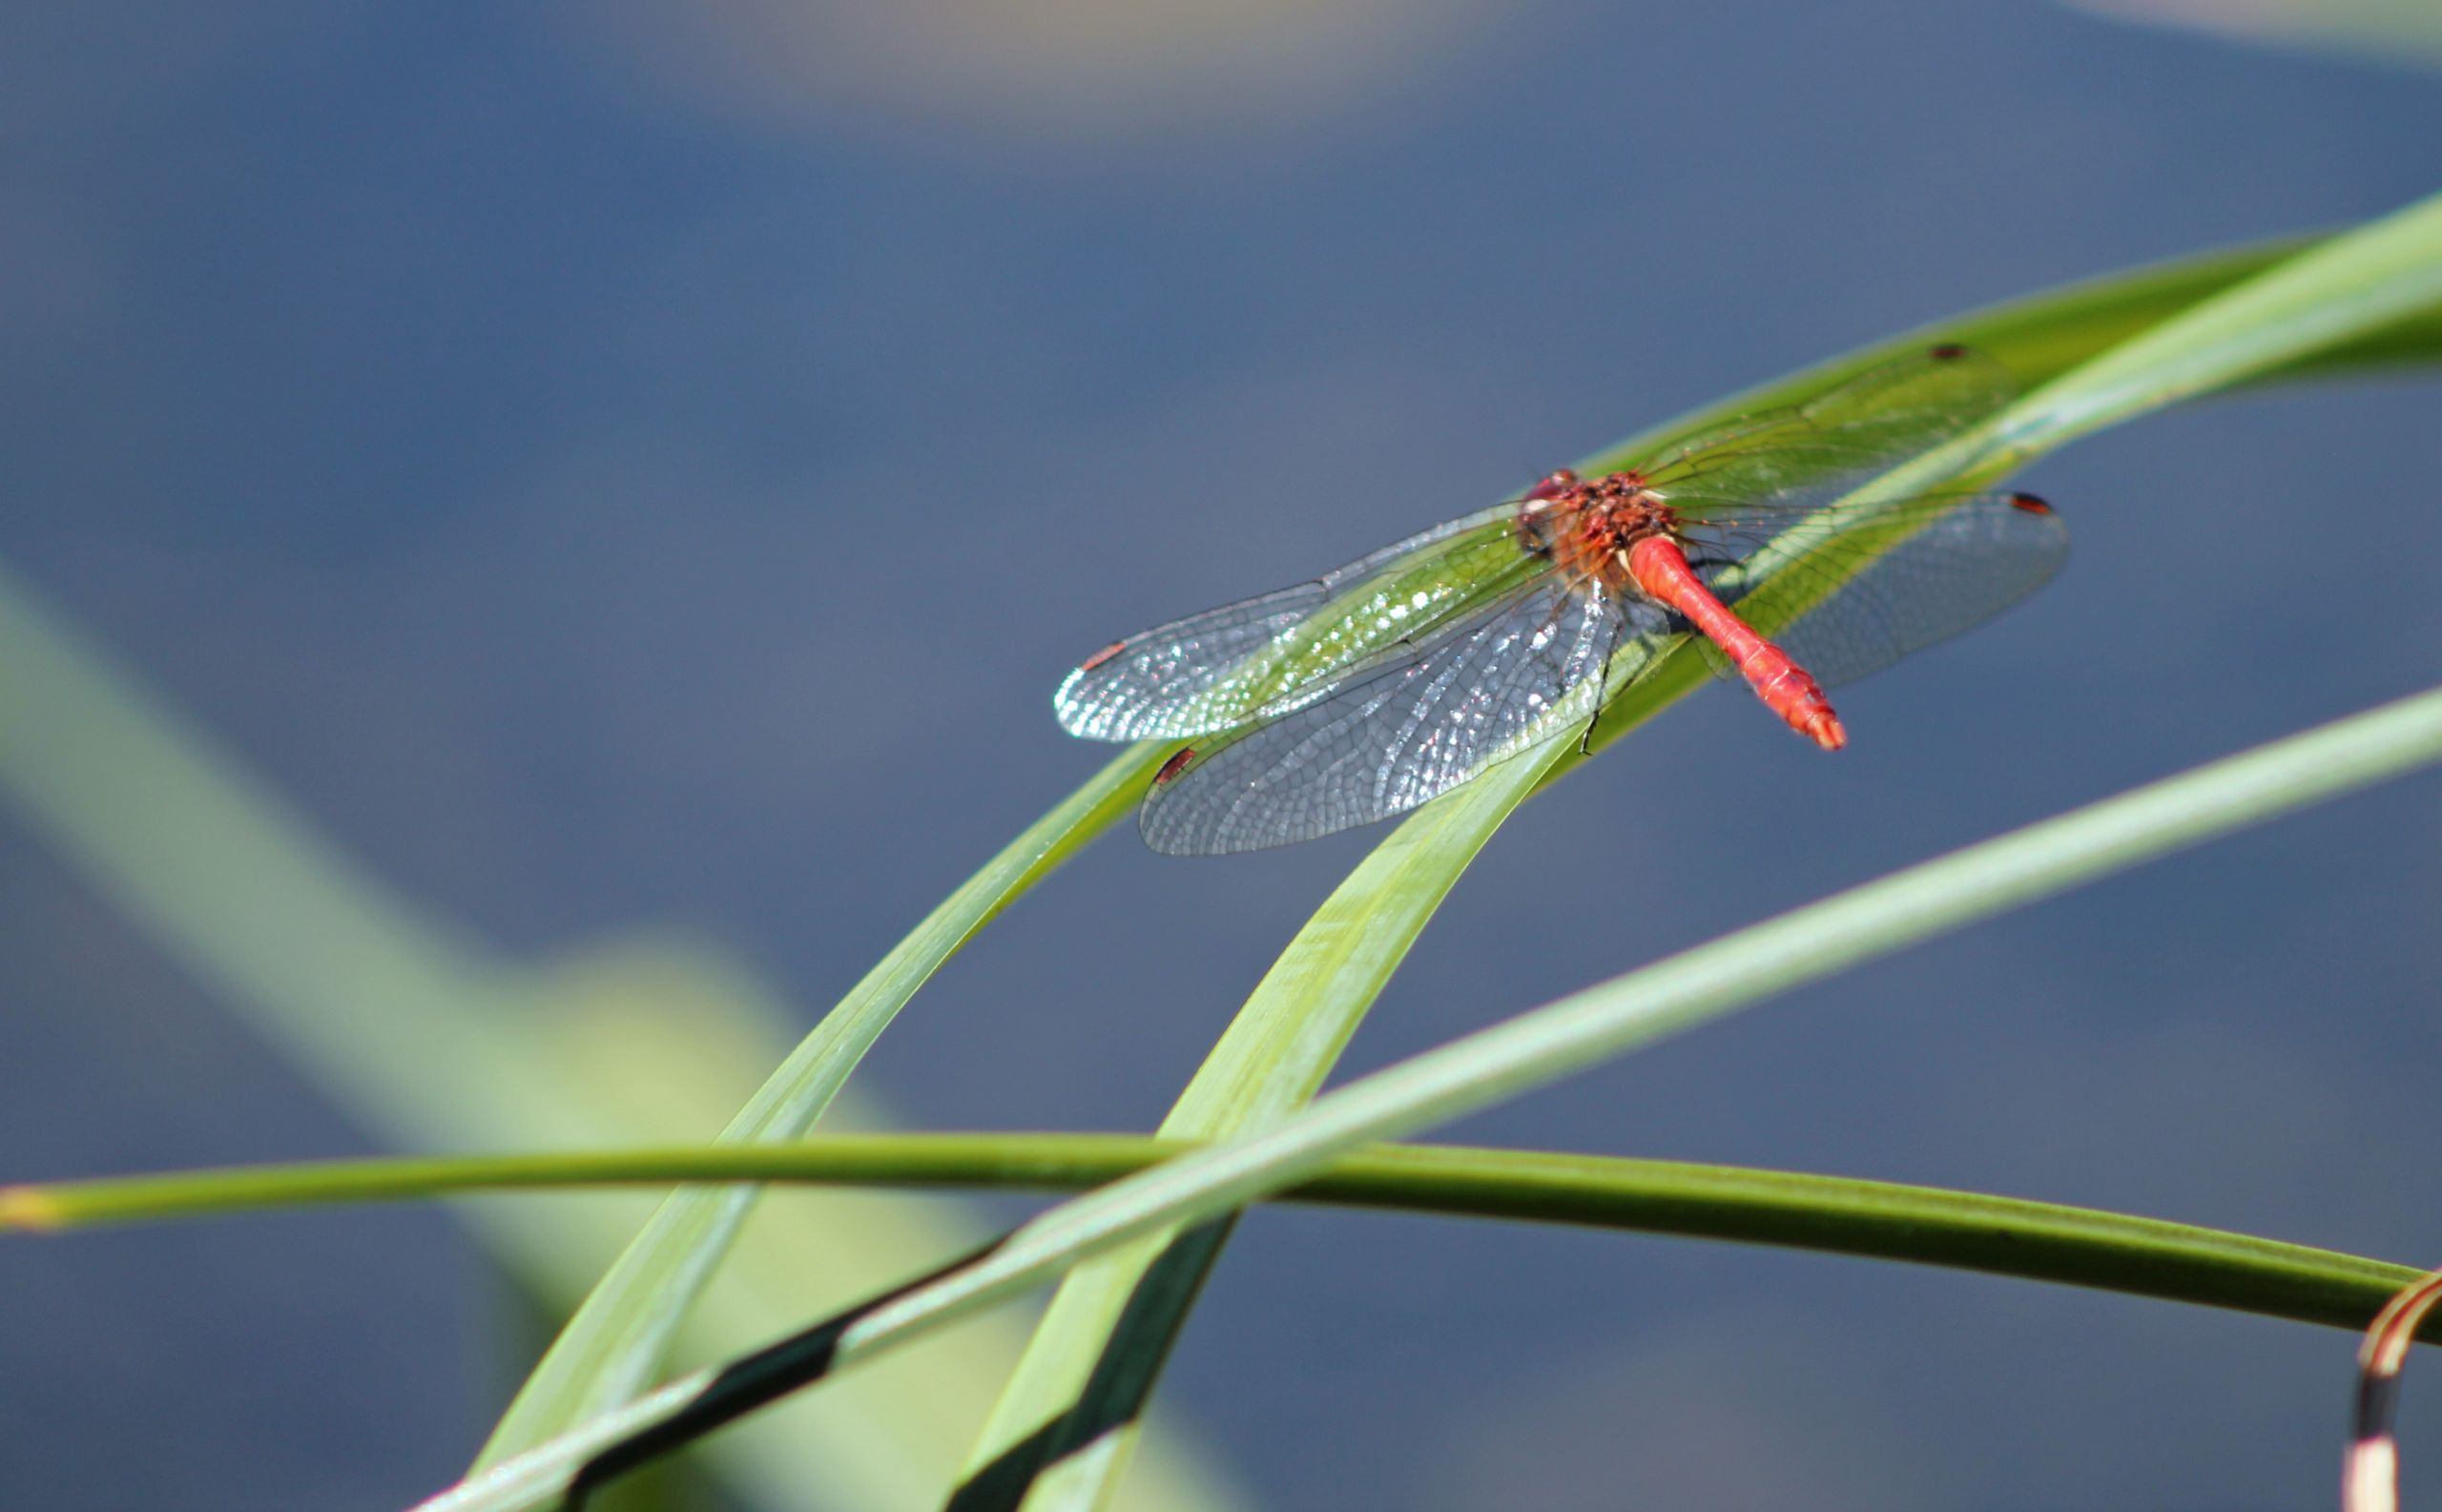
(1554, 483)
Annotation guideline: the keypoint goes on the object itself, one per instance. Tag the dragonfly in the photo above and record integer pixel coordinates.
(1383, 683)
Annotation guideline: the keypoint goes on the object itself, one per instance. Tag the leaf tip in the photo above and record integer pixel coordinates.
(30, 1210)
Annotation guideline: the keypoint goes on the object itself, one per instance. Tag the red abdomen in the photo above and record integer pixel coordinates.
(1788, 689)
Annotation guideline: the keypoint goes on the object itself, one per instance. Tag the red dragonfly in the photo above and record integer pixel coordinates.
(1396, 677)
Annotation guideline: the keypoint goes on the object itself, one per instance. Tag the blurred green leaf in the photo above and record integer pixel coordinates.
(434, 1043)
(2406, 32)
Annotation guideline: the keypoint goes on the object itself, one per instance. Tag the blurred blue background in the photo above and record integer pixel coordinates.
(612, 464)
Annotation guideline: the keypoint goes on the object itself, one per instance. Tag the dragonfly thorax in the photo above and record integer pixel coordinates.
(1585, 527)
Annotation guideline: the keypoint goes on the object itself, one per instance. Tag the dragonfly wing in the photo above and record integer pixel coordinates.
(1159, 683)
(1786, 462)
(1229, 665)
(1876, 598)
(1525, 670)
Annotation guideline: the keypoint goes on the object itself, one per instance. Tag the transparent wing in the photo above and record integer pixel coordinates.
(1791, 461)
(1891, 580)
(1229, 665)
(1159, 682)
(1529, 668)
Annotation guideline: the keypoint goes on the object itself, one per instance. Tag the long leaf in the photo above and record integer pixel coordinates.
(1530, 1050)
(620, 1333)
(1054, 1453)
(611, 1346)
(1275, 1054)
(2037, 1241)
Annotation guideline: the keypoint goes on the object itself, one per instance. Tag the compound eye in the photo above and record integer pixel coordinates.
(1553, 485)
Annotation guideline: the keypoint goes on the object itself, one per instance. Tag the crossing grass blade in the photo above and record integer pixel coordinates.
(618, 1336)
(2348, 289)
(1273, 1057)
(1506, 1060)
(617, 1339)
(2010, 1236)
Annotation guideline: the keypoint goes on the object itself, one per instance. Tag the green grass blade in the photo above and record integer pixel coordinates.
(1578, 1031)
(1275, 1054)
(2368, 280)
(1834, 1214)
(618, 1337)
(2371, 278)
(613, 1346)
(2042, 336)
(2397, 33)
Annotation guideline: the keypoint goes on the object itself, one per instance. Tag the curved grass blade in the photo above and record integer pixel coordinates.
(2349, 286)
(1555, 1041)
(2037, 336)
(2372, 295)
(618, 1336)
(2369, 278)
(1070, 1397)
(2010, 1236)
